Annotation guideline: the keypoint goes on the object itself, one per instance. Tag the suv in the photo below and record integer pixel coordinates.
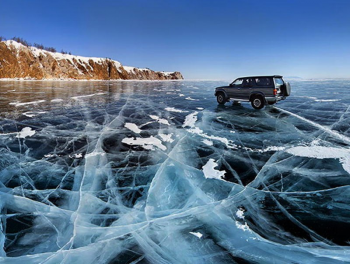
(258, 90)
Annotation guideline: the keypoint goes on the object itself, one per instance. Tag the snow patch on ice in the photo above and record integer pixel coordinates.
(146, 143)
(160, 120)
(210, 172)
(199, 132)
(190, 120)
(240, 213)
(166, 138)
(85, 96)
(76, 156)
(172, 109)
(25, 132)
(320, 152)
(190, 99)
(133, 127)
(208, 142)
(272, 148)
(197, 234)
(50, 155)
(56, 100)
(16, 104)
(244, 227)
(32, 114)
(327, 100)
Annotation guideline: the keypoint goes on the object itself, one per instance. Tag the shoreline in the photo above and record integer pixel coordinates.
(82, 80)
(138, 80)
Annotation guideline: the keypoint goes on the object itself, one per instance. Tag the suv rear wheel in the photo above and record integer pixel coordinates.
(257, 102)
(220, 97)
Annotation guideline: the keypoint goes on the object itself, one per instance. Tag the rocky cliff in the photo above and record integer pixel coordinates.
(19, 61)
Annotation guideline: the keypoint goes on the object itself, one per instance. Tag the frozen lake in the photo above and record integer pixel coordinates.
(158, 172)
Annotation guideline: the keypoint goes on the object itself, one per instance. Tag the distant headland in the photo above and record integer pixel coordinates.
(29, 62)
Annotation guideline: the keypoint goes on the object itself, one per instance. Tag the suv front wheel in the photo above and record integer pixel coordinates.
(220, 97)
(257, 102)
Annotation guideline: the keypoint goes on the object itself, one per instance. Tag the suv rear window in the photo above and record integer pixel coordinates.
(279, 81)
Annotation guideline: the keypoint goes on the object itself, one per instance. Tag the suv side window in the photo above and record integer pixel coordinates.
(247, 82)
(237, 82)
(263, 81)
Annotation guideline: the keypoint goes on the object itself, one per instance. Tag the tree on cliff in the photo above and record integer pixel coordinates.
(22, 41)
(39, 46)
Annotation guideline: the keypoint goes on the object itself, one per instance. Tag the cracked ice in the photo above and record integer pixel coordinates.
(157, 172)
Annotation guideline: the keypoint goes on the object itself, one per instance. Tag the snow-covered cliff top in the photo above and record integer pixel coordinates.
(32, 62)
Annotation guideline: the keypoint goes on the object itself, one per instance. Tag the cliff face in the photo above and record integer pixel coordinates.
(19, 61)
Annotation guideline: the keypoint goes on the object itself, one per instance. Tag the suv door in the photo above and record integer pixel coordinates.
(246, 88)
(234, 89)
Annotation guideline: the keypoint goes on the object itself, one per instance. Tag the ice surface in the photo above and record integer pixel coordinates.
(157, 172)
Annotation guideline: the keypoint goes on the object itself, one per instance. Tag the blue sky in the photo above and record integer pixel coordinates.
(220, 39)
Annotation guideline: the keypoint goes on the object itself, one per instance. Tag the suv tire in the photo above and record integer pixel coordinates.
(221, 98)
(257, 102)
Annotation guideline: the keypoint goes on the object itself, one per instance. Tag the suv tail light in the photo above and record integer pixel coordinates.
(275, 92)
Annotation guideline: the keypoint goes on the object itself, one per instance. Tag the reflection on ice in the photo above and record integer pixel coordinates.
(134, 172)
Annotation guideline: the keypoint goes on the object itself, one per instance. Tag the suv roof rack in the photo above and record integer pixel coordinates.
(262, 76)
